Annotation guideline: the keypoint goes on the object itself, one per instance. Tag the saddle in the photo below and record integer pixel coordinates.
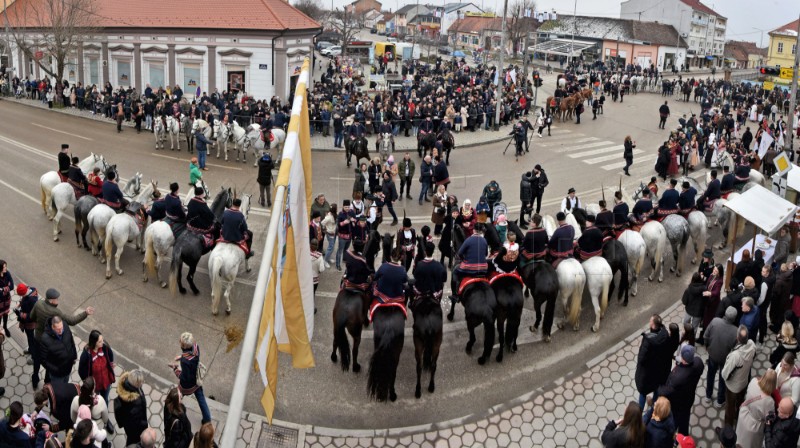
(418, 297)
(465, 282)
(206, 237)
(177, 227)
(493, 277)
(62, 177)
(380, 300)
(240, 244)
(361, 288)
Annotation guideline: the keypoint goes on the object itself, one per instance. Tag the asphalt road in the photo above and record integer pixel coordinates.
(143, 321)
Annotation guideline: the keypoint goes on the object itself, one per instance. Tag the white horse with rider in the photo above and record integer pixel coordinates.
(223, 266)
(230, 132)
(127, 226)
(50, 179)
(259, 139)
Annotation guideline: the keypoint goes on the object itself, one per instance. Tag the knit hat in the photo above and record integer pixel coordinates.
(84, 412)
(22, 289)
(687, 353)
(52, 293)
(727, 436)
(502, 219)
(730, 314)
(685, 441)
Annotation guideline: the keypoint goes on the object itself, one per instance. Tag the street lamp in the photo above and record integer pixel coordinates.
(574, 30)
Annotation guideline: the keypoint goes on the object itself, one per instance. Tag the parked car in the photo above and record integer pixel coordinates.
(373, 31)
(447, 51)
(391, 39)
(323, 44)
(332, 51)
(381, 33)
(408, 38)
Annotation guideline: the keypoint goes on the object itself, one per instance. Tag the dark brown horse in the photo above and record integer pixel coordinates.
(428, 323)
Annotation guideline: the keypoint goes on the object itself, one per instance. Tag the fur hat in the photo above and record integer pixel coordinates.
(198, 191)
(406, 222)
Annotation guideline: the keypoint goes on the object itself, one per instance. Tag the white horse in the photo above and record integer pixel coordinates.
(598, 279)
(202, 126)
(655, 239)
(223, 133)
(101, 214)
(223, 266)
(158, 242)
(124, 227)
(385, 145)
(276, 139)
(173, 131)
(51, 178)
(698, 229)
(571, 277)
(677, 229)
(160, 132)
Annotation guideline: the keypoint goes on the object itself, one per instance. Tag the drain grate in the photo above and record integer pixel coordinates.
(277, 437)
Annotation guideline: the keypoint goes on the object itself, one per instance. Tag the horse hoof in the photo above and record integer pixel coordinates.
(195, 291)
(468, 349)
(678, 274)
(59, 232)
(356, 368)
(576, 327)
(672, 269)
(650, 278)
(228, 312)
(431, 388)
(145, 279)
(481, 360)
(560, 325)
(119, 271)
(660, 279)
(334, 358)
(533, 329)
(694, 261)
(547, 339)
(418, 392)
(248, 269)
(450, 317)
(499, 357)
(212, 312)
(392, 397)
(108, 275)
(595, 328)
(183, 291)
(163, 284)
(55, 238)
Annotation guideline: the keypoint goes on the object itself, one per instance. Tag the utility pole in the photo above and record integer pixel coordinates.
(793, 101)
(574, 31)
(498, 88)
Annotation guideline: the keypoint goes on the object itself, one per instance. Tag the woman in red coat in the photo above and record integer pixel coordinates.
(711, 294)
(95, 183)
(674, 153)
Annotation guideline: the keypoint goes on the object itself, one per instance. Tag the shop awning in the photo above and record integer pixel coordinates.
(562, 47)
(763, 208)
(709, 57)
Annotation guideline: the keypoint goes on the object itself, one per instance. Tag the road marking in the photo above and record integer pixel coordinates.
(607, 149)
(609, 157)
(586, 146)
(15, 189)
(183, 160)
(578, 138)
(618, 165)
(62, 132)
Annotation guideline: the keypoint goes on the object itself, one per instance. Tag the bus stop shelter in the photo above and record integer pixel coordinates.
(562, 47)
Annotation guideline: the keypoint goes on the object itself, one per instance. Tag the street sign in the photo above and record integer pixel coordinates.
(769, 85)
(786, 73)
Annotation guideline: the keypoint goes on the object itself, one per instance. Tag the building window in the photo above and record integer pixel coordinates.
(692, 42)
(124, 73)
(94, 71)
(794, 48)
(191, 78)
(780, 47)
(156, 74)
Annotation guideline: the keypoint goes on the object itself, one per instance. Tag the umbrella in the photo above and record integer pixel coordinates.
(459, 54)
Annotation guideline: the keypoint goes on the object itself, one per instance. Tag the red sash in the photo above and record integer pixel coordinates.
(497, 275)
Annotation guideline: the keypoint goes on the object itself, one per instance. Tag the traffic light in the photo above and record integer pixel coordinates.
(771, 71)
(537, 81)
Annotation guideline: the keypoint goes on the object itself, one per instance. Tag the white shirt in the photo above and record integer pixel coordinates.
(575, 203)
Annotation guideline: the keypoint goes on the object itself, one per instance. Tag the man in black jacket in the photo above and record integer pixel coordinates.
(538, 184)
(681, 386)
(783, 429)
(264, 179)
(58, 350)
(663, 113)
(654, 359)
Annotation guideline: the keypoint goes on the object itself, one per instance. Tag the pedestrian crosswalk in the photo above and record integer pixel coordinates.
(606, 154)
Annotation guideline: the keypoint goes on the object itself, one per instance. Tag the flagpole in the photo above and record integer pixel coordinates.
(247, 357)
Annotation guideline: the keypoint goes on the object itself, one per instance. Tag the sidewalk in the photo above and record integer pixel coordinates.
(463, 139)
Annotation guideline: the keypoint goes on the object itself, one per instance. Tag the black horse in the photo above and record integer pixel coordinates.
(350, 313)
(448, 144)
(479, 304)
(428, 330)
(540, 279)
(189, 247)
(356, 147)
(425, 142)
(616, 256)
(508, 292)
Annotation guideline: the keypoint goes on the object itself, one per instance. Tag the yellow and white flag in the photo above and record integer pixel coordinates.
(287, 321)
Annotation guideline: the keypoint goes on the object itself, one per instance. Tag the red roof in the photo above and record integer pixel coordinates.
(789, 28)
(204, 14)
(695, 4)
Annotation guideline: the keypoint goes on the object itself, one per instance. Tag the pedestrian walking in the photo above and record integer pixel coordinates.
(694, 302)
(190, 372)
(538, 184)
(525, 196)
(317, 267)
(629, 145)
(329, 227)
(389, 191)
(130, 406)
(578, 112)
(595, 108)
(439, 213)
(425, 178)
(177, 427)
(119, 116)
(736, 372)
(264, 179)
(58, 350)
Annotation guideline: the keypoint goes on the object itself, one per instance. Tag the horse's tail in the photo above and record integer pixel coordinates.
(514, 318)
(109, 243)
(215, 272)
(340, 338)
(624, 281)
(79, 223)
(173, 268)
(44, 197)
(575, 299)
(383, 364)
(604, 294)
(149, 254)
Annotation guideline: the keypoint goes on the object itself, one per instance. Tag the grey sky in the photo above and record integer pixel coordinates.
(743, 15)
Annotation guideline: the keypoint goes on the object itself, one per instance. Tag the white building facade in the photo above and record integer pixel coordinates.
(703, 29)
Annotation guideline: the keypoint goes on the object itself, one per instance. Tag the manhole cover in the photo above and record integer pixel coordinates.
(277, 437)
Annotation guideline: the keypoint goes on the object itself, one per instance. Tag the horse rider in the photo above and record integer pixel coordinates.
(712, 193)
(385, 128)
(429, 276)
(234, 228)
(158, 210)
(357, 130)
(642, 210)
(407, 241)
(728, 180)
(95, 183)
(361, 230)
(561, 244)
(505, 261)
(64, 162)
(570, 202)
(668, 203)
(199, 218)
(605, 219)
(390, 282)
(621, 211)
(357, 274)
(426, 126)
(686, 200)
(76, 178)
(534, 244)
(173, 205)
(741, 176)
(112, 195)
(472, 254)
(590, 243)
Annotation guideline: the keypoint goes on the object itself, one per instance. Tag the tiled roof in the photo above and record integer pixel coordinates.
(450, 7)
(475, 24)
(608, 28)
(695, 4)
(405, 9)
(740, 50)
(205, 14)
(790, 29)
(657, 33)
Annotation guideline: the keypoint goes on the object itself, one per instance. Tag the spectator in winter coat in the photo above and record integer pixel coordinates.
(788, 381)
(58, 396)
(130, 407)
(525, 196)
(659, 425)
(650, 362)
(781, 296)
(681, 387)
(786, 343)
(97, 361)
(720, 339)
(626, 432)
(750, 317)
(264, 179)
(11, 433)
(757, 404)
(694, 301)
(58, 350)
(177, 427)
(187, 369)
(737, 373)
(783, 428)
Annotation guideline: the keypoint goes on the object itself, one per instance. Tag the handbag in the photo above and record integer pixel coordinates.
(201, 373)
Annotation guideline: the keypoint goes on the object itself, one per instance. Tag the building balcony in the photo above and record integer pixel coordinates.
(719, 26)
(700, 22)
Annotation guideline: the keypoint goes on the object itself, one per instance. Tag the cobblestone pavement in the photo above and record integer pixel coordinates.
(570, 413)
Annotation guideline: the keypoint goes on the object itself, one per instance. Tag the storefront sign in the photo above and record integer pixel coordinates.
(262, 66)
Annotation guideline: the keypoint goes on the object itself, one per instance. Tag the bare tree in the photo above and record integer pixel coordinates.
(346, 23)
(312, 9)
(517, 24)
(56, 28)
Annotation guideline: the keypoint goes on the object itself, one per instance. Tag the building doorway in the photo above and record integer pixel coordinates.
(236, 81)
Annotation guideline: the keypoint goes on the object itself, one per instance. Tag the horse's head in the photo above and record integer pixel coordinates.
(245, 208)
(458, 237)
(492, 237)
(134, 185)
(514, 228)
(223, 200)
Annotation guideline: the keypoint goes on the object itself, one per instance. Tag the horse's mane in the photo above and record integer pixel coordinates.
(492, 237)
(220, 202)
(513, 227)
